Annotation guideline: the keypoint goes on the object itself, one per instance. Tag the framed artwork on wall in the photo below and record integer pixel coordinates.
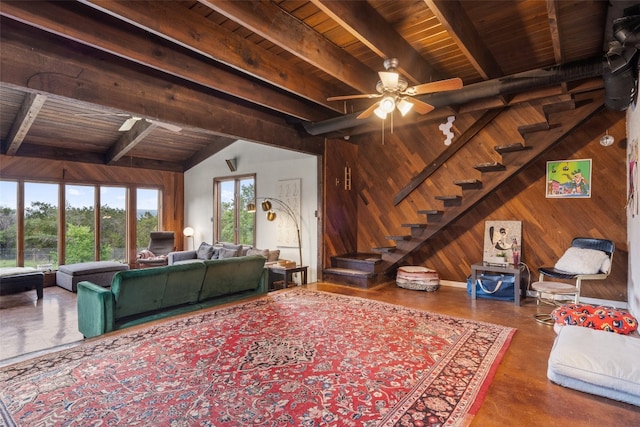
(502, 239)
(289, 193)
(569, 178)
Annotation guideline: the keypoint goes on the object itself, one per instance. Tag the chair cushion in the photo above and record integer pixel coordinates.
(596, 362)
(583, 261)
(595, 317)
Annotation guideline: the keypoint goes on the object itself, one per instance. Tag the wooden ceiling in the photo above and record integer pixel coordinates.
(202, 74)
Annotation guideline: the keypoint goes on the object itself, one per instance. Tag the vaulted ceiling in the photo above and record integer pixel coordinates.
(192, 77)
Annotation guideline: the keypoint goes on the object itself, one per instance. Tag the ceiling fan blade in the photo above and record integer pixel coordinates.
(366, 113)
(439, 86)
(421, 107)
(167, 126)
(344, 97)
(128, 124)
(389, 79)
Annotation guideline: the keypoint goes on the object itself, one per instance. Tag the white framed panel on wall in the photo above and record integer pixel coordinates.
(289, 192)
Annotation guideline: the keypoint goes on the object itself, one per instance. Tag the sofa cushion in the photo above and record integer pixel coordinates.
(204, 251)
(237, 248)
(274, 255)
(595, 317)
(138, 291)
(232, 275)
(227, 253)
(596, 362)
(183, 284)
(82, 268)
(262, 252)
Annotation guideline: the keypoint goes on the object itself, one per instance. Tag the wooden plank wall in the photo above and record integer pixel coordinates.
(63, 172)
(548, 224)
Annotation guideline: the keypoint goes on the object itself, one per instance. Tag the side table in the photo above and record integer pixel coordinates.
(510, 269)
(288, 272)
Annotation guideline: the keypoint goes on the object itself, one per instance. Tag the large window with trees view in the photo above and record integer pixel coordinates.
(233, 223)
(37, 204)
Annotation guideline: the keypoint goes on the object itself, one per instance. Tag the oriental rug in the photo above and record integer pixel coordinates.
(290, 358)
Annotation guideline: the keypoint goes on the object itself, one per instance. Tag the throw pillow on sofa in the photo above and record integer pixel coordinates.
(237, 248)
(273, 255)
(262, 252)
(204, 251)
(227, 253)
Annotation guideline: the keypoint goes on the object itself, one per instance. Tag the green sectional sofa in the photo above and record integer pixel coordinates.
(138, 296)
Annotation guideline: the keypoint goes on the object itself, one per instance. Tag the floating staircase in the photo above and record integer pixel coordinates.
(366, 270)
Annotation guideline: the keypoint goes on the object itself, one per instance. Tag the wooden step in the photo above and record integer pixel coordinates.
(469, 184)
(398, 238)
(490, 167)
(536, 127)
(558, 107)
(418, 225)
(346, 276)
(368, 262)
(510, 148)
(448, 197)
(431, 212)
(384, 249)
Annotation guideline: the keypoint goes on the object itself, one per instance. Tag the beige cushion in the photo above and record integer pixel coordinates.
(273, 255)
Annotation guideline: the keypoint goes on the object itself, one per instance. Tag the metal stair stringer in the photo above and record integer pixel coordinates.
(537, 143)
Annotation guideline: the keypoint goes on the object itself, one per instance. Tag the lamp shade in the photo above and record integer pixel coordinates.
(266, 205)
(251, 207)
(188, 232)
(271, 215)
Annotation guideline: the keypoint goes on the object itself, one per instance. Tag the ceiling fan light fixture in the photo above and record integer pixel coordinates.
(380, 113)
(389, 79)
(404, 107)
(387, 104)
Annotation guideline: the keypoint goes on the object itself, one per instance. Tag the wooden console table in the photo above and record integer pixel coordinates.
(509, 269)
(288, 272)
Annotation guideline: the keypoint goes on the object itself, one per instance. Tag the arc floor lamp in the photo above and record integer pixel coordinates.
(267, 207)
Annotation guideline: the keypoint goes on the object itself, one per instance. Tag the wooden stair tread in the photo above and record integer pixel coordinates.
(385, 249)
(347, 272)
(536, 127)
(490, 167)
(467, 184)
(403, 237)
(431, 212)
(510, 148)
(417, 225)
(449, 197)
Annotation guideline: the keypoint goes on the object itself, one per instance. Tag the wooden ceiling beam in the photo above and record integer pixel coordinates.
(176, 23)
(364, 23)
(274, 24)
(216, 145)
(42, 66)
(26, 116)
(455, 20)
(70, 22)
(554, 28)
(129, 140)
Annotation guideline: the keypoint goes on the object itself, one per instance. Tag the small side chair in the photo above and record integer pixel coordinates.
(160, 244)
(554, 289)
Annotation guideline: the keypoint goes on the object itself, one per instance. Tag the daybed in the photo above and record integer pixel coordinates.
(138, 296)
(99, 272)
(13, 279)
(601, 360)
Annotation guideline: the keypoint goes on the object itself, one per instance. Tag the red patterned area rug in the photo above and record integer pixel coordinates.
(291, 358)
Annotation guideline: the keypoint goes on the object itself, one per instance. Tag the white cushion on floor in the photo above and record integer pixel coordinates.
(597, 362)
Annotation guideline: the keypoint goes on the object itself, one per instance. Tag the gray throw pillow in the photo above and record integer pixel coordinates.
(204, 251)
(227, 253)
(237, 248)
(263, 252)
(273, 255)
(216, 253)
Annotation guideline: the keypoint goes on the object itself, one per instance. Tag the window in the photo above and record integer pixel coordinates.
(8, 218)
(233, 223)
(80, 223)
(40, 224)
(147, 215)
(113, 224)
(35, 224)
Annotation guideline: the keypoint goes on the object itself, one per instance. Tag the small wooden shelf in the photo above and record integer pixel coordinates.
(449, 197)
(510, 148)
(469, 184)
(490, 167)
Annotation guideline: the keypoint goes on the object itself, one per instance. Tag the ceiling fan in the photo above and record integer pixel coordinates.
(131, 120)
(396, 93)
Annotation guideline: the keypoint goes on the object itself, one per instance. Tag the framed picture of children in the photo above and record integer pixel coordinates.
(502, 240)
(569, 178)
